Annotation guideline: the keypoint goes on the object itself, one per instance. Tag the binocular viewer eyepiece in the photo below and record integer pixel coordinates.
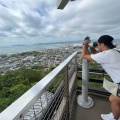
(95, 44)
(87, 38)
(92, 44)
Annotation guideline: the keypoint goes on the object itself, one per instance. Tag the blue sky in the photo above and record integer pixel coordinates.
(36, 21)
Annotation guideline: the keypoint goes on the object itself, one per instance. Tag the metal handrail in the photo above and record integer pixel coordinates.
(21, 106)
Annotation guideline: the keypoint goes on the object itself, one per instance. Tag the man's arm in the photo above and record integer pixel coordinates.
(85, 55)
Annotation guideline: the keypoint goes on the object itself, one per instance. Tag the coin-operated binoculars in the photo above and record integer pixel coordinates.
(84, 100)
(91, 44)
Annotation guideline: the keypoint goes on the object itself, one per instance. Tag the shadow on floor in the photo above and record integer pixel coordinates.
(101, 105)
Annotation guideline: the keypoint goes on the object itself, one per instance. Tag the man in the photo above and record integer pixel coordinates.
(109, 58)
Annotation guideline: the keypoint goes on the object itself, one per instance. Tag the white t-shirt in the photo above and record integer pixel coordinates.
(110, 61)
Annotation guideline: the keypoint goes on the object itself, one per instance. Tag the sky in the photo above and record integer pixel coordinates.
(39, 21)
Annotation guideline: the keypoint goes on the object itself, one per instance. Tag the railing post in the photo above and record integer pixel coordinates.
(76, 64)
(66, 91)
(84, 100)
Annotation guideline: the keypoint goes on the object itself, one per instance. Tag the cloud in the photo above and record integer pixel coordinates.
(35, 21)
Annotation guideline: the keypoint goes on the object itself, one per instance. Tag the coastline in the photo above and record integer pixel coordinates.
(27, 48)
(14, 49)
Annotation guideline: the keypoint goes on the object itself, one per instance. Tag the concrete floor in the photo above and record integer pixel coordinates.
(101, 105)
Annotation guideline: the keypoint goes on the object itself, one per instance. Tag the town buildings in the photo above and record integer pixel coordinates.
(44, 58)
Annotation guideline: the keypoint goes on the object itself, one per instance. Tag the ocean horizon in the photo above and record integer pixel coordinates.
(13, 49)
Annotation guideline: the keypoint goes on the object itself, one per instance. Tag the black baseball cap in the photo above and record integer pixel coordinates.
(107, 40)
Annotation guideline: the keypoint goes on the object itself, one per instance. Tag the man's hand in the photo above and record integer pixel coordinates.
(85, 55)
(86, 42)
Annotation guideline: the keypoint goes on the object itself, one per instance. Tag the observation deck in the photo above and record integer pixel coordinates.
(55, 96)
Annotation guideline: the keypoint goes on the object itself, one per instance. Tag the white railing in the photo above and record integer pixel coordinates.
(29, 102)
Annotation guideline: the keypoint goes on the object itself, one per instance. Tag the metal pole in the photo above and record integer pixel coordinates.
(84, 100)
(85, 77)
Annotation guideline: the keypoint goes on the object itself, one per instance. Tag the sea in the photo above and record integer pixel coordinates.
(13, 49)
